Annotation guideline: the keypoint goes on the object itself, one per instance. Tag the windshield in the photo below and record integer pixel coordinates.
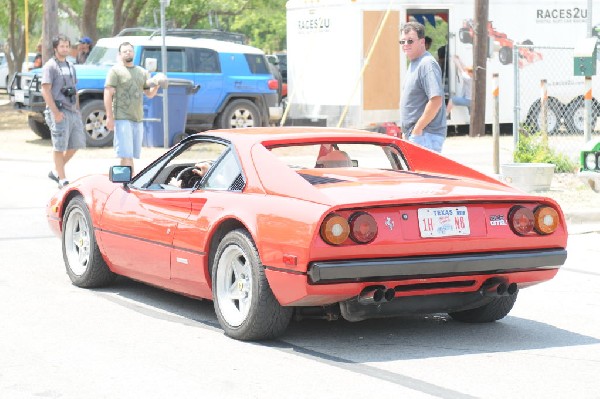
(102, 56)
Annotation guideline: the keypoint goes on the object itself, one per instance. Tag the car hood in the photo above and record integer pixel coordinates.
(91, 76)
(354, 185)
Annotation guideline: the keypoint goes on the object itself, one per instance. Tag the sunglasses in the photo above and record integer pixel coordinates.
(409, 41)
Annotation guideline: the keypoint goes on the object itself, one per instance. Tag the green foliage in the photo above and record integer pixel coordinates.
(262, 21)
(438, 35)
(534, 149)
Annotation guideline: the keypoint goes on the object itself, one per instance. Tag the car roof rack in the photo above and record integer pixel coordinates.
(190, 33)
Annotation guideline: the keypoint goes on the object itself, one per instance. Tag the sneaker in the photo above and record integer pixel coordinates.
(62, 183)
(53, 176)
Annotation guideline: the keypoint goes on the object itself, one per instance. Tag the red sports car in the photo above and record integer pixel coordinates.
(268, 222)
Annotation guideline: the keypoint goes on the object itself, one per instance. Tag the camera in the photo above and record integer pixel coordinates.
(68, 91)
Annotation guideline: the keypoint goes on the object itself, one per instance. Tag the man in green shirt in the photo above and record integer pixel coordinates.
(125, 85)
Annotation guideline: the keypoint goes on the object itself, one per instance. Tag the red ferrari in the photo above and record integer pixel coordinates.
(271, 222)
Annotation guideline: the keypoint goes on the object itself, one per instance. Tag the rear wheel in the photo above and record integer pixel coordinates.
(83, 260)
(243, 300)
(239, 114)
(555, 114)
(497, 309)
(93, 116)
(38, 127)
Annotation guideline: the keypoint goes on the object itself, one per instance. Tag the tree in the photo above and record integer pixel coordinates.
(84, 15)
(262, 21)
(13, 17)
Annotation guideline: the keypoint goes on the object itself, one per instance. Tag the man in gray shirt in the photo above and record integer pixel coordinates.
(62, 108)
(422, 106)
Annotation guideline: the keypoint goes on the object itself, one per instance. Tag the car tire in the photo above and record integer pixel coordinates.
(244, 303)
(38, 127)
(495, 310)
(505, 55)
(575, 115)
(465, 36)
(239, 114)
(556, 113)
(84, 263)
(178, 138)
(93, 116)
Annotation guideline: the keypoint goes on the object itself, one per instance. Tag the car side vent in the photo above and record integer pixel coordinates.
(238, 183)
(314, 180)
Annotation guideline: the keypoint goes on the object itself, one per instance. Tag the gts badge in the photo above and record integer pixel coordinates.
(497, 220)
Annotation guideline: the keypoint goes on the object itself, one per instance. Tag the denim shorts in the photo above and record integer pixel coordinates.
(462, 101)
(431, 141)
(128, 138)
(67, 134)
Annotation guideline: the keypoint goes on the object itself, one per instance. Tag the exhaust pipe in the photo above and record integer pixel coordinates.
(494, 287)
(390, 294)
(371, 295)
(498, 287)
(501, 289)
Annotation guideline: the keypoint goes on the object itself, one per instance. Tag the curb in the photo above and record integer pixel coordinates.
(583, 217)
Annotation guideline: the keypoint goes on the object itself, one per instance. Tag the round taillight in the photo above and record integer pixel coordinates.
(521, 220)
(335, 229)
(363, 227)
(546, 219)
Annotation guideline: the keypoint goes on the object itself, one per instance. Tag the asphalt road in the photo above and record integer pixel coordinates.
(131, 340)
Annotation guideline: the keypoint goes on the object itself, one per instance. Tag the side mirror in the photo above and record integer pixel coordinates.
(120, 174)
(150, 64)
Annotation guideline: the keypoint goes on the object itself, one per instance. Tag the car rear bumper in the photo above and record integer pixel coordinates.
(434, 266)
(275, 113)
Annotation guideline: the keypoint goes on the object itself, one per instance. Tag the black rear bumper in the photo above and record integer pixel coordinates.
(434, 266)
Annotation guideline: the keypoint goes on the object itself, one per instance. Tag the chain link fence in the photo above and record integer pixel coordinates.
(549, 71)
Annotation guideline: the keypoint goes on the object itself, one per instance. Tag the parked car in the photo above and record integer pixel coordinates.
(4, 74)
(237, 88)
(311, 221)
(282, 59)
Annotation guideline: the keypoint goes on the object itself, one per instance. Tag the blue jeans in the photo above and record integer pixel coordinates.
(433, 142)
(128, 138)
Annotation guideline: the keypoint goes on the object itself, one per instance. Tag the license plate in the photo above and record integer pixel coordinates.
(19, 96)
(444, 222)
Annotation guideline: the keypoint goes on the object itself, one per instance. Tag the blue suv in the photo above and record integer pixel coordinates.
(236, 87)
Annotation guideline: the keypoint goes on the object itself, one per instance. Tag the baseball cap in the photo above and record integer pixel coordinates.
(85, 40)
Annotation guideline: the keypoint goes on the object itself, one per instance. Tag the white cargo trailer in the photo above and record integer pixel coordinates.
(345, 65)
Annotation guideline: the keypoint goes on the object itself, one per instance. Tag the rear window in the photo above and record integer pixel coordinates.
(338, 154)
(257, 63)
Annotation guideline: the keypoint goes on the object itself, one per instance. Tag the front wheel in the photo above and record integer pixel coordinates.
(239, 114)
(495, 310)
(575, 115)
(38, 127)
(505, 55)
(93, 116)
(465, 35)
(85, 266)
(243, 300)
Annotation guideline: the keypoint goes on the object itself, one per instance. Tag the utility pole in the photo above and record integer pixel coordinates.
(480, 50)
(49, 28)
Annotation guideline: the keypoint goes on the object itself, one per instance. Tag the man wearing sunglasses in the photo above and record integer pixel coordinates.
(422, 107)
